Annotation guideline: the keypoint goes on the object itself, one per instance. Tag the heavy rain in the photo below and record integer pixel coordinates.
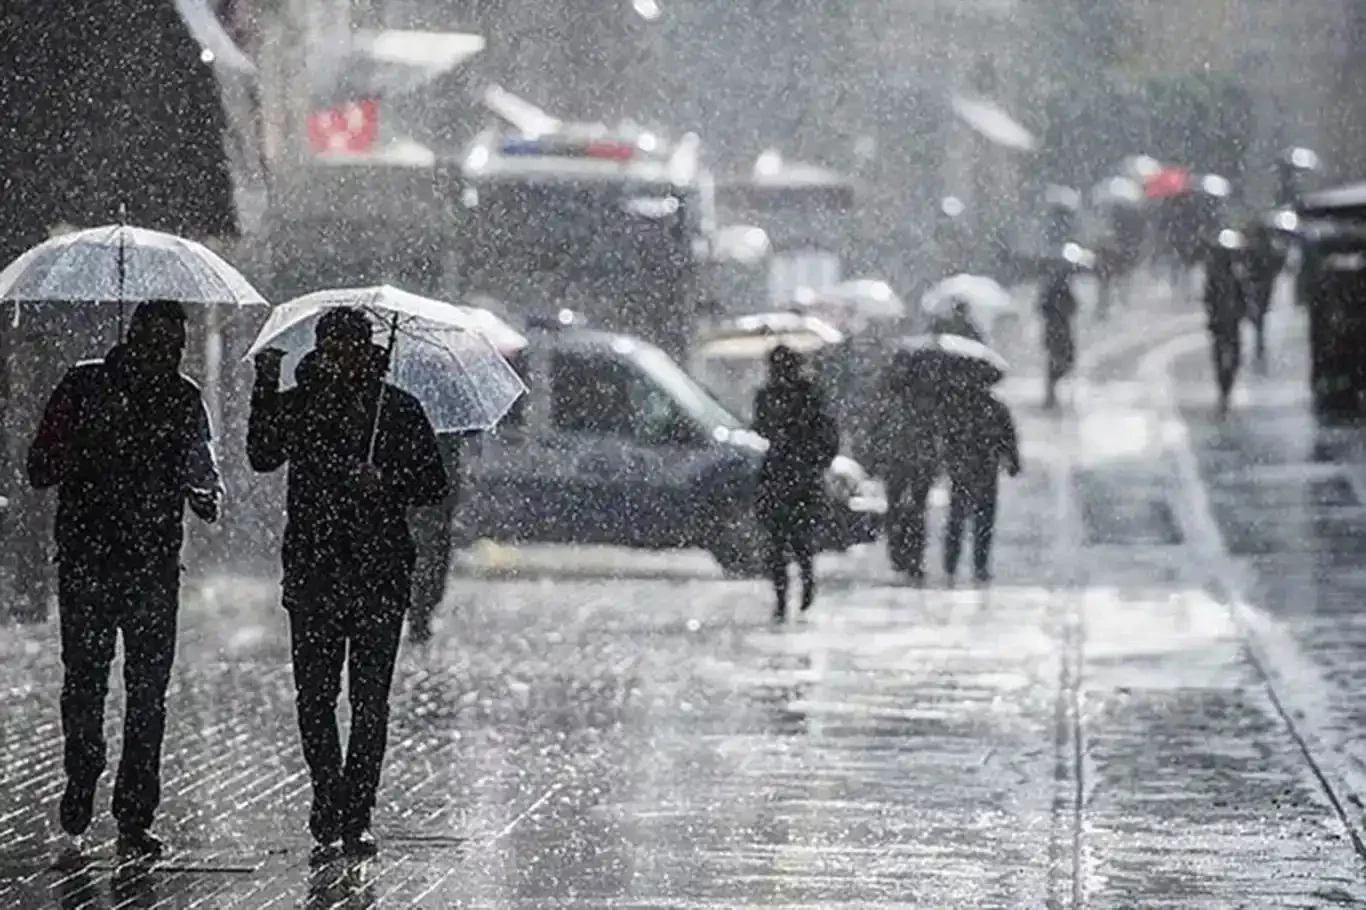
(682, 453)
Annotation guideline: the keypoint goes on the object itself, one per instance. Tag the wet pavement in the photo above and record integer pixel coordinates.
(1088, 731)
(1289, 499)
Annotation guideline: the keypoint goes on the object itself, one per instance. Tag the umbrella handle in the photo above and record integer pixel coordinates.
(379, 398)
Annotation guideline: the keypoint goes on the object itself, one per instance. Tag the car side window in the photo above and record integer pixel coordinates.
(655, 415)
(589, 393)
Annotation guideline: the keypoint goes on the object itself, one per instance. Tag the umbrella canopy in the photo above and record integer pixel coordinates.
(1166, 183)
(122, 264)
(439, 352)
(989, 119)
(951, 359)
(982, 294)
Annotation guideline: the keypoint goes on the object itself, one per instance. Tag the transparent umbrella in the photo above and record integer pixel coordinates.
(438, 352)
(121, 264)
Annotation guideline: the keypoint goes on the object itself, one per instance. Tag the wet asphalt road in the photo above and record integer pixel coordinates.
(1089, 731)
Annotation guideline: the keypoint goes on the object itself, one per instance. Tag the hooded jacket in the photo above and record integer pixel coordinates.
(322, 428)
(123, 443)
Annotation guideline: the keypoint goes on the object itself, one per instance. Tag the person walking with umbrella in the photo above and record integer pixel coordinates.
(979, 442)
(126, 440)
(361, 453)
(790, 412)
(907, 455)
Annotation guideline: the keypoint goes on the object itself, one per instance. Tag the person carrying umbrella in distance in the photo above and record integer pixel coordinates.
(979, 442)
(790, 412)
(127, 442)
(955, 426)
(906, 453)
(357, 432)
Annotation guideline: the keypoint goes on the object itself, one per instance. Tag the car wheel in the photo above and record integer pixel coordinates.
(737, 543)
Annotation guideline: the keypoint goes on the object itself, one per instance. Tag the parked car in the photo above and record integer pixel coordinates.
(616, 444)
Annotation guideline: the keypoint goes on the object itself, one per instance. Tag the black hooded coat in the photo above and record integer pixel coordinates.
(322, 428)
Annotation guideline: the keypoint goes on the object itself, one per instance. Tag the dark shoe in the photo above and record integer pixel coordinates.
(78, 805)
(983, 575)
(139, 843)
(360, 845)
(324, 853)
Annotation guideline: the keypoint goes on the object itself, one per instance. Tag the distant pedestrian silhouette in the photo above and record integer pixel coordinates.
(127, 442)
(906, 454)
(1058, 308)
(979, 443)
(348, 552)
(790, 412)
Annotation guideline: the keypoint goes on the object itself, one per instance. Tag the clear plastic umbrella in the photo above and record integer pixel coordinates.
(439, 352)
(122, 264)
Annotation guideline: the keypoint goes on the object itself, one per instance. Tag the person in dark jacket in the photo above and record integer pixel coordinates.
(907, 457)
(790, 412)
(348, 553)
(1058, 307)
(1226, 306)
(978, 445)
(126, 440)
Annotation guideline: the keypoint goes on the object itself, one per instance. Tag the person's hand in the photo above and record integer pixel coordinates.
(268, 363)
(204, 503)
(1014, 469)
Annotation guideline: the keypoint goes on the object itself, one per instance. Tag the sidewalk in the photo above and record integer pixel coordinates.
(1087, 726)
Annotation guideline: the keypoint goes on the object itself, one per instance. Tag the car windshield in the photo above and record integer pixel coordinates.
(695, 400)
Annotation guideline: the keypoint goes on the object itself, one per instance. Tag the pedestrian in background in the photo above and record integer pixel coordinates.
(790, 412)
(1226, 306)
(1058, 307)
(979, 444)
(126, 440)
(361, 454)
(906, 453)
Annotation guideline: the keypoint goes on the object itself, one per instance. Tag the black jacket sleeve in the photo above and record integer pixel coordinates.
(417, 476)
(269, 426)
(1007, 439)
(47, 456)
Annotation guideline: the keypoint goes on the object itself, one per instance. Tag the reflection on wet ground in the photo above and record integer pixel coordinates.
(655, 742)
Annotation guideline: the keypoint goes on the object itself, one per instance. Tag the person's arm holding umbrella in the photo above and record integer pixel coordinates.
(267, 425)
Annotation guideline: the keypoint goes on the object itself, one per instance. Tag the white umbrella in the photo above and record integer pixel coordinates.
(117, 263)
(994, 123)
(438, 351)
(982, 294)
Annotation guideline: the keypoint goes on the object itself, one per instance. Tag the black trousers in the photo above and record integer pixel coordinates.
(344, 621)
(971, 496)
(908, 497)
(95, 603)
